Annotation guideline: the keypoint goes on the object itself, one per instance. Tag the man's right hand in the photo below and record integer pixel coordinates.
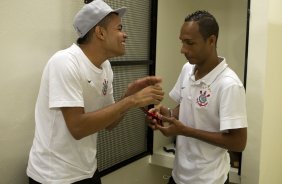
(142, 83)
(149, 95)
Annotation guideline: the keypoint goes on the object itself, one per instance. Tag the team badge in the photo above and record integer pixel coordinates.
(105, 87)
(202, 100)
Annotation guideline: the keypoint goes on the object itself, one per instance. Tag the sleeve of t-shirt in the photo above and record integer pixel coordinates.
(233, 108)
(65, 89)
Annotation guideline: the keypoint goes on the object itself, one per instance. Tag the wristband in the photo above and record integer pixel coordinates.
(170, 112)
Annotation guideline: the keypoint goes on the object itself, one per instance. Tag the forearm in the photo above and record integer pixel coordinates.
(83, 124)
(234, 140)
(115, 123)
(103, 120)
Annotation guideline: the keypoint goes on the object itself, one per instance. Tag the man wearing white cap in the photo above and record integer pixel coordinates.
(75, 99)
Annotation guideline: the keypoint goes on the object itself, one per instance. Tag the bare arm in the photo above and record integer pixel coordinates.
(133, 88)
(234, 140)
(81, 124)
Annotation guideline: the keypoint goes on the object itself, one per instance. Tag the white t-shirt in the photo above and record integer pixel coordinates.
(69, 80)
(214, 103)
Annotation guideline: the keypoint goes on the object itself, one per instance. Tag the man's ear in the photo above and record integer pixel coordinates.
(100, 32)
(212, 40)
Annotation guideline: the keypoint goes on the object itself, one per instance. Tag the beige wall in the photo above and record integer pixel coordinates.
(271, 147)
(32, 31)
(262, 158)
(255, 92)
(271, 150)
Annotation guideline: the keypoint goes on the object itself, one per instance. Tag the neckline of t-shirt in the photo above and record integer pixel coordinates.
(86, 60)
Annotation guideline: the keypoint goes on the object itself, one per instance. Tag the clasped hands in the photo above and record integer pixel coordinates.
(145, 91)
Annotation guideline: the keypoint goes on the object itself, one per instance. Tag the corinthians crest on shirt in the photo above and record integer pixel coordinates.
(203, 97)
(105, 87)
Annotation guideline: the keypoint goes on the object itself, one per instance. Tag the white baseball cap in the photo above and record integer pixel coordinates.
(91, 14)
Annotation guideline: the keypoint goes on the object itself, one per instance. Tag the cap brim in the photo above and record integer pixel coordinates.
(120, 11)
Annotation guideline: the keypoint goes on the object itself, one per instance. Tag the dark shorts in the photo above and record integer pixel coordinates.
(96, 179)
(171, 181)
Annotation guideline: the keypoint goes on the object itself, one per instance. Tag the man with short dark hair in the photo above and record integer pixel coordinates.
(211, 116)
(75, 99)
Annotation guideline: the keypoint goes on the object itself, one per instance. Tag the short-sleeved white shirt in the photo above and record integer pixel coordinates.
(214, 103)
(69, 80)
